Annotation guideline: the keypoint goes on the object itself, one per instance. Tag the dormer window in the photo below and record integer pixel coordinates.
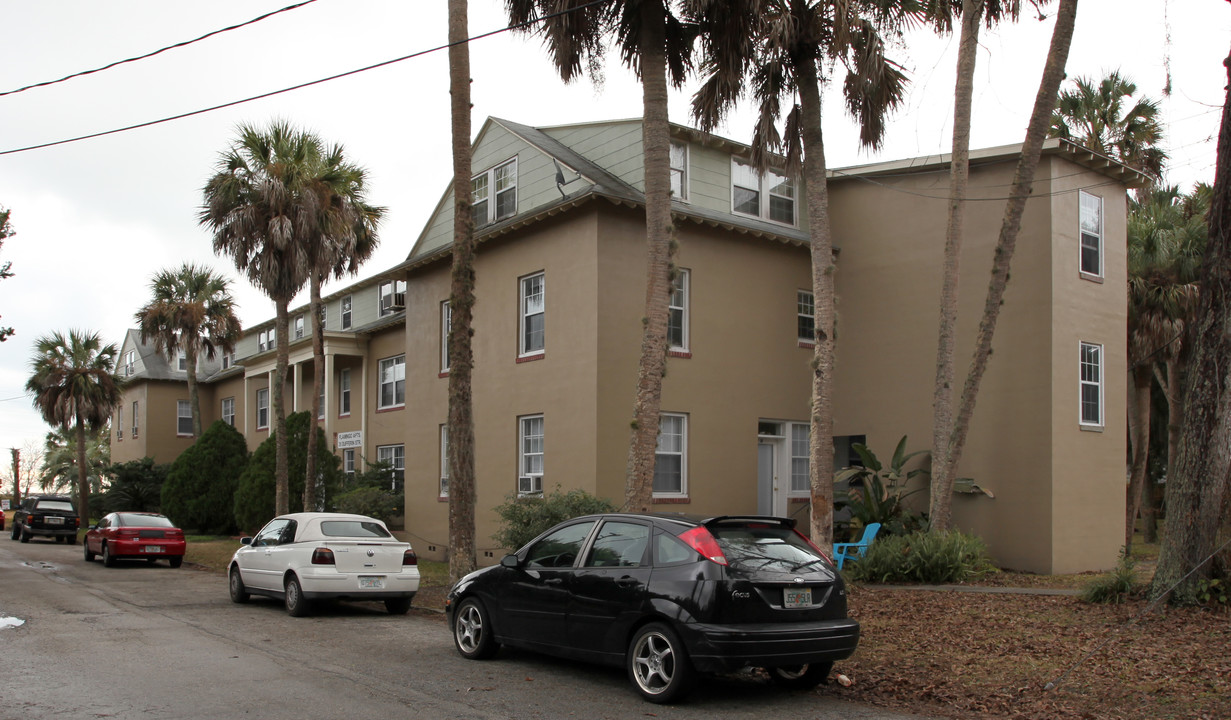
(493, 194)
(770, 196)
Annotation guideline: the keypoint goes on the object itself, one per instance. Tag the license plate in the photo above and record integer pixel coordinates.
(797, 597)
(152, 549)
(371, 582)
(55, 521)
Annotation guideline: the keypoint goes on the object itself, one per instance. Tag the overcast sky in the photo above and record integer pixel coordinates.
(96, 219)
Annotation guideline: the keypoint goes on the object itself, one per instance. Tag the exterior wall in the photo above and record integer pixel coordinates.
(156, 436)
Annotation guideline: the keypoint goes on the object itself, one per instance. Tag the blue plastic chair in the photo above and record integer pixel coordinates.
(855, 550)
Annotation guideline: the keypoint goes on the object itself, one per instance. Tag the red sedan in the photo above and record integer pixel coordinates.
(135, 536)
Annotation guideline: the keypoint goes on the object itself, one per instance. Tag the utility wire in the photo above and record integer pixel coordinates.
(262, 96)
(156, 52)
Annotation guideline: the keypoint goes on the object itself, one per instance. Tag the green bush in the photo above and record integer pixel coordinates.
(200, 490)
(254, 498)
(1114, 587)
(135, 486)
(922, 557)
(523, 518)
(379, 503)
(877, 494)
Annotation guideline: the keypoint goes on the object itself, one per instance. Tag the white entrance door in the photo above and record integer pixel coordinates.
(771, 491)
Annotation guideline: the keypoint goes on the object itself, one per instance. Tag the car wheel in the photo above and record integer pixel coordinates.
(16, 532)
(239, 594)
(800, 677)
(472, 631)
(108, 558)
(398, 606)
(25, 535)
(71, 539)
(89, 554)
(658, 664)
(296, 603)
(176, 561)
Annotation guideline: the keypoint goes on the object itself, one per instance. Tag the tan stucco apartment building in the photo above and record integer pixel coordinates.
(560, 296)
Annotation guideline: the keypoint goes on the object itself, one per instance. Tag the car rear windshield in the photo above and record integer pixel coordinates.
(764, 547)
(353, 528)
(54, 505)
(138, 520)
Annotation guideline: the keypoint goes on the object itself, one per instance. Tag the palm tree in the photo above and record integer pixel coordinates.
(260, 206)
(794, 45)
(1096, 116)
(192, 312)
(656, 45)
(59, 459)
(460, 427)
(343, 239)
(74, 387)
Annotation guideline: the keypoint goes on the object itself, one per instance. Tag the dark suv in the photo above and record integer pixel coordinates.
(46, 515)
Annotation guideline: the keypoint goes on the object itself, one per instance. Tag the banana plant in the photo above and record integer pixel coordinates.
(877, 494)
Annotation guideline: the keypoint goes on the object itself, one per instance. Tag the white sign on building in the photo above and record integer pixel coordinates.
(351, 439)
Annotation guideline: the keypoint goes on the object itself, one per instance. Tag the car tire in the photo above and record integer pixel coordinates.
(71, 539)
(16, 533)
(176, 561)
(239, 594)
(472, 631)
(25, 535)
(296, 603)
(108, 558)
(800, 677)
(398, 606)
(89, 554)
(658, 664)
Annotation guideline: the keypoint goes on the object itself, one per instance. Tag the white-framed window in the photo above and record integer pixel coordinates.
(320, 405)
(532, 322)
(348, 461)
(493, 193)
(346, 305)
(677, 311)
(444, 461)
(135, 406)
(1091, 362)
(770, 196)
(395, 457)
(671, 457)
(119, 423)
(262, 409)
(228, 411)
(130, 362)
(299, 326)
(446, 321)
(344, 392)
(530, 451)
(228, 360)
(266, 340)
(679, 170)
(181, 361)
(392, 382)
(392, 297)
(1091, 234)
(801, 459)
(183, 417)
(805, 313)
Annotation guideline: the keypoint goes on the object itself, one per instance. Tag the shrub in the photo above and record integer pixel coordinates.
(523, 518)
(877, 494)
(136, 486)
(254, 498)
(923, 557)
(370, 493)
(1114, 587)
(200, 488)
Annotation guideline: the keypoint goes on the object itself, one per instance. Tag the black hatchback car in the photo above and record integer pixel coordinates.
(666, 596)
(48, 516)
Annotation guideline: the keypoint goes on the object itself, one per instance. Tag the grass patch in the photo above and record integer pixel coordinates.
(210, 551)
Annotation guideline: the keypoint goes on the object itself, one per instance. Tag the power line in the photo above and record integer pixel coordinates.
(156, 52)
(262, 96)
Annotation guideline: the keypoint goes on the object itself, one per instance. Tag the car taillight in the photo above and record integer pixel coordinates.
(702, 541)
(127, 532)
(822, 553)
(322, 556)
(409, 557)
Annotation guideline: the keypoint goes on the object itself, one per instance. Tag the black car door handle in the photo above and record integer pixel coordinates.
(554, 581)
(626, 581)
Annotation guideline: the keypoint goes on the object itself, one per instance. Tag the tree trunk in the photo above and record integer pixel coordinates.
(16, 478)
(282, 501)
(318, 382)
(816, 192)
(1139, 437)
(656, 146)
(83, 475)
(1197, 481)
(462, 491)
(1023, 179)
(194, 393)
(940, 512)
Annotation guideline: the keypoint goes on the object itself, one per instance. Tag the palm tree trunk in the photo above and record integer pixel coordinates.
(194, 392)
(1197, 481)
(816, 190)
(940, 510)
(1139, 437)
(656, 146)
(318, 382)
(1023, 179)
(83, 475)
(462, 492)
(282, 501)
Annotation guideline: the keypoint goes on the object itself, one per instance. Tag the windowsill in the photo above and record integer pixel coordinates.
(182, 435)
(1090, 277)
(442, 498)
(737, 213)
(343, 415)
(391, 408)
(531, 358)
(799, 500)
(679, 353)
(671, 500)
(263, 429)
(443, 374)
(807, 345)
(1091, 428)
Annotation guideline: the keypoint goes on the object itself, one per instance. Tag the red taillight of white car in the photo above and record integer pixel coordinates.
(703, 542)
(322, 556)
(409, 557)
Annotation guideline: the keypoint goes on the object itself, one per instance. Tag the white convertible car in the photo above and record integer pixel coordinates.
(302, 557)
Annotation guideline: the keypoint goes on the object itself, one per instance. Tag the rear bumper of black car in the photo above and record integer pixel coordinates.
(52, 531)
(726, 648)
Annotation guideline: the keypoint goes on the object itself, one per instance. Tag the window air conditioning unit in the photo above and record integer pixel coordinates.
(397, 301)
(530, 484)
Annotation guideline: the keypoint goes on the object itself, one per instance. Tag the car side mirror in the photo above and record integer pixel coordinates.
(94, 526)
(510, 561)
(245, 541)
